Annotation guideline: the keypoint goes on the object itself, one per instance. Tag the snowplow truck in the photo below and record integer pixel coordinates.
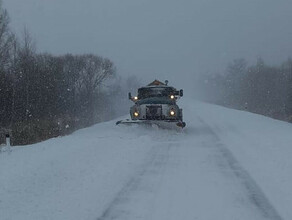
(155, 104)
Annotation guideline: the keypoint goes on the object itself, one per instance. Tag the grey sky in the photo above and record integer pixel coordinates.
(160, 38)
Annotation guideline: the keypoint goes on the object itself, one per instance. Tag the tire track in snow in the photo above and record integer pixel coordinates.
(154, 165)
(255, 193)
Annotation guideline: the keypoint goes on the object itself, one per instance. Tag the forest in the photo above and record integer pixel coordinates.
(44, 96)
(258, 88)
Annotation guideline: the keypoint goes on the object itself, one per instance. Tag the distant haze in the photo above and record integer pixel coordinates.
(164, 39)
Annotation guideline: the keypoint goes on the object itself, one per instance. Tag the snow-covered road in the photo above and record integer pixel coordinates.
(225, 165)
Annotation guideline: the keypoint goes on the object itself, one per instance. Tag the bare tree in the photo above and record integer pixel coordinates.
(95, 70)
(26, 56)
(6, 38)
(6, 42)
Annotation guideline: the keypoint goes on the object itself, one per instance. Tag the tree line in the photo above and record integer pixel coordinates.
(258, 88)
(44, 96)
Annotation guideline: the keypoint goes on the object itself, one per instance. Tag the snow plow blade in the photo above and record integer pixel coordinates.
(160, 123)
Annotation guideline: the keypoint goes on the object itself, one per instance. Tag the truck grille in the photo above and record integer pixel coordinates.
(154, 112)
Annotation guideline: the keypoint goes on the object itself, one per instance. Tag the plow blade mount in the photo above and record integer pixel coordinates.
(170, 124)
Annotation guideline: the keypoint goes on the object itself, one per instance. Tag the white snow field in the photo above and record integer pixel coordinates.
(226, 165)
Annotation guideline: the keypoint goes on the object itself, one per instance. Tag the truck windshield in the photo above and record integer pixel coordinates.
(156, 100)
(155, 92)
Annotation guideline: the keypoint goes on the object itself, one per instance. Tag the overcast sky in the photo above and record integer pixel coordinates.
(163, 39)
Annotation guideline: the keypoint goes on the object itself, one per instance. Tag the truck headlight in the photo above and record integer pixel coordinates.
(172, 97)
(172, 112)
(136, 114)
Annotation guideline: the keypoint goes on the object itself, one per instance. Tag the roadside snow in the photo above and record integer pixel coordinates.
(71, 177)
